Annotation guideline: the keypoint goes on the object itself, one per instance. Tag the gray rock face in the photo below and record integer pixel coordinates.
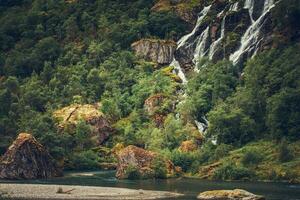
(235, 30)
(27, 159)
(158, 51)
(236, 194)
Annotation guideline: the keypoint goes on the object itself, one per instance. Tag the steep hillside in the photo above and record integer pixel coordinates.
(201, 82)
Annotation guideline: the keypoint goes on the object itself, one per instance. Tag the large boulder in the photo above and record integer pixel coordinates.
(141, 161)
(73, 114)
(26, 158)
(158, 51)
(236, 194)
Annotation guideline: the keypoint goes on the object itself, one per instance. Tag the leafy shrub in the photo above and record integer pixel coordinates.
(221, 151)
(231, 171)
(132, 172)
(186, 160)
(83, 160)
(159, 166)
(251, 157)
(285, 153)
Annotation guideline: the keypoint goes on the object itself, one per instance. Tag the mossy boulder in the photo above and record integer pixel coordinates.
(26, 158)
(236, 194)
(138, 163)
(71, 115)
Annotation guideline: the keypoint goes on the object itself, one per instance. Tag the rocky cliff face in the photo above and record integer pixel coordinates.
(158, 51)
(236, 30)
(71, 115)
(26, 158)
(187, 10)
(142, 160)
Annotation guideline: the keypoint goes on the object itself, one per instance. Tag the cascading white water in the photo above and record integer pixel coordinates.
(179, 70)
(214, 46)
(234, 7)
(183, 41)
(201, 16)
(250, 39)
(202, 126)
(200, 48)
(249, 4)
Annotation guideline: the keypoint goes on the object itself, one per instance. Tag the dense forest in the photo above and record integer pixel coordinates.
(57, 53)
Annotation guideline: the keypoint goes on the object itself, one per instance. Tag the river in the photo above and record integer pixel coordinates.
(188, 186)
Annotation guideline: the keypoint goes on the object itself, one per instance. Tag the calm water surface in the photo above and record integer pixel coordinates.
(189, 187)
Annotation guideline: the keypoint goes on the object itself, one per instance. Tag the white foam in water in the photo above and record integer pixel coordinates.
(216, 44)
(179, 70)
(250, 39)
(202, 14)
(200, 48)
(234, 7)
(249, 4)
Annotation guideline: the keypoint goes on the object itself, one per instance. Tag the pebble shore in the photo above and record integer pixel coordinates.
(50, 192)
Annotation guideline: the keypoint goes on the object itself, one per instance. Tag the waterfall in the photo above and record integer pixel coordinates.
(179, 70)
(234, 7)
(202, 14)
(250, 39)
(214, 46)
(184, 40)
(201, 45)
(202, 126)
(249, 4)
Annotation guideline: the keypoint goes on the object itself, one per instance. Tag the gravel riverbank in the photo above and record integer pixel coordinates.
(70, 192)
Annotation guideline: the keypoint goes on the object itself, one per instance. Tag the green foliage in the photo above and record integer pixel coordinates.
(159, 167)
(251, 157)
(132, 172)
(231, 126)
(83, 160)
(186, 160)
(222, 151)
(264, 103)
(213, 84)
(230, 171)
(285, 153)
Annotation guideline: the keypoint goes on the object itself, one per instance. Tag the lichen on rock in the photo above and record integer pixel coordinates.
(26, 158)
(236, 194)
(91, 114)
(142, 161)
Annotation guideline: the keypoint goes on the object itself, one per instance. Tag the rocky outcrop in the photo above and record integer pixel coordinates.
(158, 51)
(187, 10)
(142, 161)
(26, 158)
(157, 107)
(207, 172)
(236, 194)
(235, 30)
(188, 146)
(73, 114)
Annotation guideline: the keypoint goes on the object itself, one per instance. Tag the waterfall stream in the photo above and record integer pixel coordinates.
(249, 46)
(201, 16)
(214, 46)
(250, 39)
